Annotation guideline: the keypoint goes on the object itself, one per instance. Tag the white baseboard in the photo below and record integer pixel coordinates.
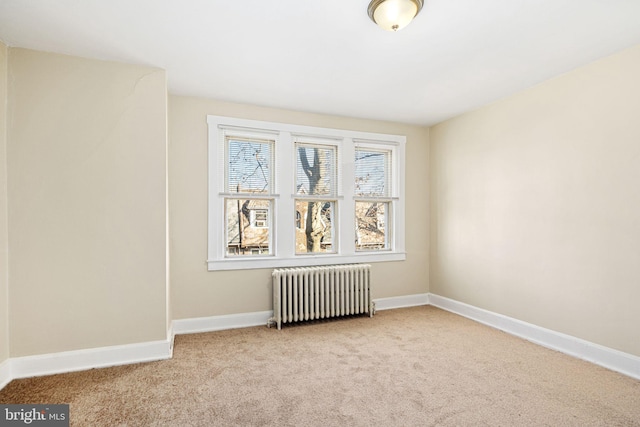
(171, 338)
(259, 318)
(615, 360)
(78, 360)
(401, 301)
(5, 373)
(219, 323)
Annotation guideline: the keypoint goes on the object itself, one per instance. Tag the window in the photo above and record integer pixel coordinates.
(373, 196)
(248, 185)
(289, 195)
(316, 196)
(298, 219)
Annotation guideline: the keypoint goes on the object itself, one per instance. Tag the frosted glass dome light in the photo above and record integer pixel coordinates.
(393, 15)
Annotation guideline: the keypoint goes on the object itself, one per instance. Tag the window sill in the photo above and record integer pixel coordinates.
(302, 261)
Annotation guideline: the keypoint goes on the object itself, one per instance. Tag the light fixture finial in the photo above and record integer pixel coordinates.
(393, 15)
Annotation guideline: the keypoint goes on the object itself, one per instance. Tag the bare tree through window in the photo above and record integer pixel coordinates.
(316, 176)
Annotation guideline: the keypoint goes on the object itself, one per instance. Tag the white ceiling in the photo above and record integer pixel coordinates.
(326, 56)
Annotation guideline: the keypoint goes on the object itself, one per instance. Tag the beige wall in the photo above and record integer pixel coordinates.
(536, 204)
(86, 153)
(195, 292)
(4, 239)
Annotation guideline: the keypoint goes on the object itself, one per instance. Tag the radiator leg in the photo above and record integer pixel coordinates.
(273, 322)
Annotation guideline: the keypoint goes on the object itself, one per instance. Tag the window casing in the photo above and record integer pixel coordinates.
(290, 195)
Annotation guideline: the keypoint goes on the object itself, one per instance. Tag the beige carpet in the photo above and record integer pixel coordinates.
(409, 367)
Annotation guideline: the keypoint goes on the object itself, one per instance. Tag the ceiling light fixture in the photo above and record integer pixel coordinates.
(393, 15)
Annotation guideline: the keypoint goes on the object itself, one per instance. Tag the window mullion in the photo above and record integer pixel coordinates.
(347, 206)
(284, 220)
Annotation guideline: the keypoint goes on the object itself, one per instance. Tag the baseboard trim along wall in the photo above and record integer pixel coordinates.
(401, 301)
(260, 318)
(5, 373)
(219, 323)
(615, 360)
(79, 360)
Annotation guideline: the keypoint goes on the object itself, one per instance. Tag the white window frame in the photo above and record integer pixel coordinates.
(283, 194)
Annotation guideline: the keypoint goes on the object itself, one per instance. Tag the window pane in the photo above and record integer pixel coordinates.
(249, 166)
(371, 220)
(248, 226)
(315, 170)
(372, 172)
(316, 232)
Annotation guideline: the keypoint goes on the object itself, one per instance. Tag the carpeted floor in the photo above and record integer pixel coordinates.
(418, 366)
